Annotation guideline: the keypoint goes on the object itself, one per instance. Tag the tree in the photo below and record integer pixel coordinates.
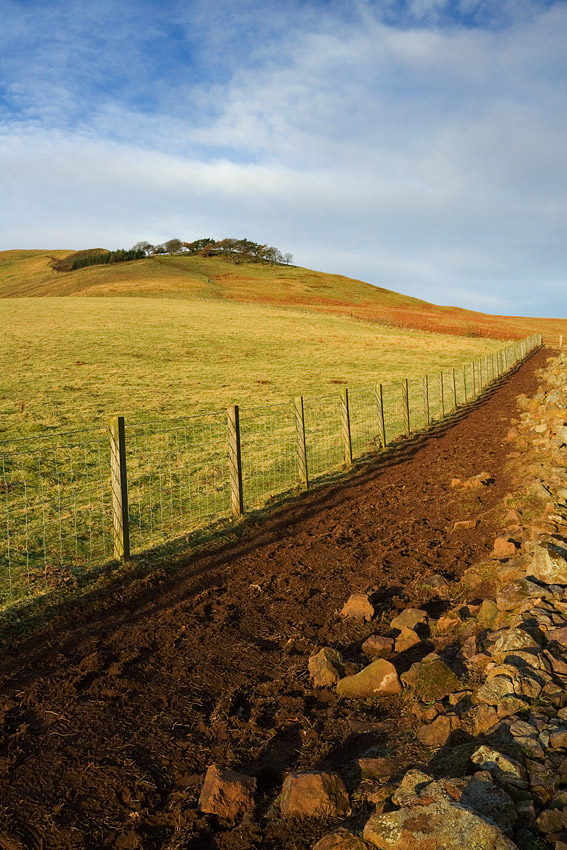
(173, 246)
(288, 259)
(144, 246)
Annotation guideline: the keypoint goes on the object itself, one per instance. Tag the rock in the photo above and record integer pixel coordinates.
(483, 479)
(495, 689)
(557, 636)
(488, 612)
(438, 584)
(358, 607)
(510, 705)
(435, 680)
(558, 739)
(313, 794)
(448, 622)
(549, 564)
(465, 524)
(504, 547)
(487, 799)
(470, 647)
(483, 718)
(410, 618)
(377, 767)
(326, 667)
(379, 677)
(226, 793)
(518, 592)
(426, 713)
(406, 639)
(441, 825)
(342, 839)
(378, 646)
(550, 820)
(513, 639)
(503, 768)
(437, 734)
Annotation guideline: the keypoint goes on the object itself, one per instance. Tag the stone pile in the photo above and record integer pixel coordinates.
(500, 701)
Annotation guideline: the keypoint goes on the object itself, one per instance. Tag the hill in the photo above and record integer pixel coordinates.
(30, 274)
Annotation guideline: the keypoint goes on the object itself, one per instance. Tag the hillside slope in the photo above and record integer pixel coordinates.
(29, 273)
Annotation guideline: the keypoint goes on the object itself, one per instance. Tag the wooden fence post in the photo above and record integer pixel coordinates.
(345, 417)
(473, 373)
(441, 396)
(119, 485)
(301, 443)
(405, 406)
(426, 400)
(235, 460)
(480, 384)
(380, 410)
(454, 389)
(465, 384)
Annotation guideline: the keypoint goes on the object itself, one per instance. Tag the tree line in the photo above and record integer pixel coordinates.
(234, 250)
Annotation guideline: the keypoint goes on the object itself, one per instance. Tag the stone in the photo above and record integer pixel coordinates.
(437, 734)
(511, 640)
(510, 705)
(379, 677)
(465, 524)
(326, 667)
(406, 639)
(557, 636)
(483, 479)
(549, 564)
(314, 794)
(488, 612)
(410, 618)
(448, 622)
(377, 767)
(378, 646)
(426, 713)
(504, 547)
(550, 820)
(440, 825)
(358, 607)
(435, 680)
(558, 738)
(495, 689)
(438, 584)
(503, 768)
(485, 798)
(226, 793)
(470, 647)
(341, 839)
(518, 592)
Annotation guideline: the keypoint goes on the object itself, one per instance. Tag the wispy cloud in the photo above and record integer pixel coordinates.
(418, 145)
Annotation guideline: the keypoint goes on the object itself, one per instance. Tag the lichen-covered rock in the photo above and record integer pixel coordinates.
(314, 793)
(504, 547)
(492, 691)
(326, 667)
(502, 767)
(379, 677)
(435, 680)
(226, 793)
(549, 564)
(406, 639)
(441, 825)
(511, 640)
(377, 767)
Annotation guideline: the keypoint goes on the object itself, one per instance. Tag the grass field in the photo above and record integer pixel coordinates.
(29, 274)
(71, 363)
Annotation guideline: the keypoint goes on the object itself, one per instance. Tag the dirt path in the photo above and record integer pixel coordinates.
(108, 725)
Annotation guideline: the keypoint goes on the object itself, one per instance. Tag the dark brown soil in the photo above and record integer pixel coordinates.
(109, 722)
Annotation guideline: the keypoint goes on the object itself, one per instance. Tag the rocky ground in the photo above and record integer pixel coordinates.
(382, 663)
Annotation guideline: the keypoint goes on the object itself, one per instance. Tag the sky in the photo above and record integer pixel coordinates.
(419, 145)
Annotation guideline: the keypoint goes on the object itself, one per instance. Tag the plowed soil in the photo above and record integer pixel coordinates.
(109, 722)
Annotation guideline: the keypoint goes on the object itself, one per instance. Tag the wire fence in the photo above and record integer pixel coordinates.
(73, 501)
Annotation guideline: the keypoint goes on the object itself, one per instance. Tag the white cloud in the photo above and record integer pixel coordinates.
(430, 160)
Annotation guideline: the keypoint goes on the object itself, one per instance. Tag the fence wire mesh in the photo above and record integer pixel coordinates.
(364, 421)
(323, 427)
(269, 453)
(177, 477)
(54, 509)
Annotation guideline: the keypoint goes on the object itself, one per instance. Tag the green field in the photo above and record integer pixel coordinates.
(171, 367)
(72, 363)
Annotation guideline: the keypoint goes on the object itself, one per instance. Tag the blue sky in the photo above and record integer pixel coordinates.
(420, 145)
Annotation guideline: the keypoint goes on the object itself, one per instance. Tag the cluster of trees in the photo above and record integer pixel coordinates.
(120, 256)
(235, 250)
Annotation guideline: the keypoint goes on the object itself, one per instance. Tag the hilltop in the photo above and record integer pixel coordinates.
(30, 274)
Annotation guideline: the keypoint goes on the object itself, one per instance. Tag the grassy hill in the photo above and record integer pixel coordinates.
(29, 274)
